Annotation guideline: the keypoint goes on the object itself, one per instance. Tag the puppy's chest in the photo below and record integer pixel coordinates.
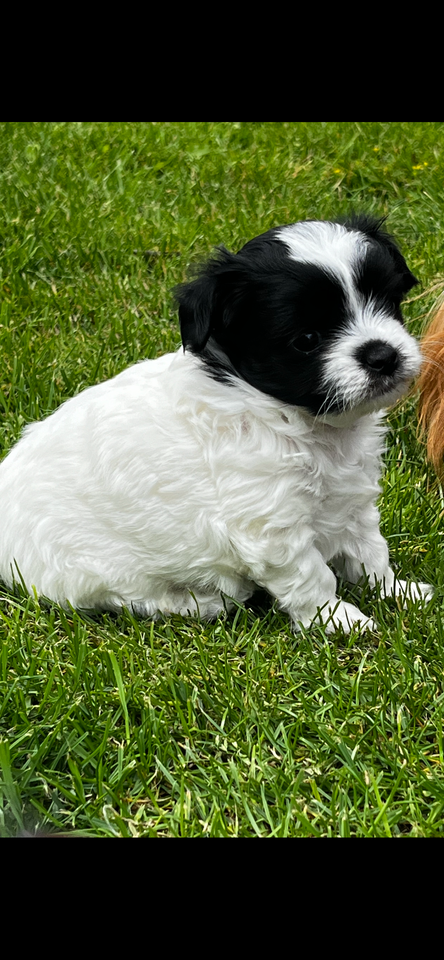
(332, 494)
(332, 478)
(290, 481)
(334, 507)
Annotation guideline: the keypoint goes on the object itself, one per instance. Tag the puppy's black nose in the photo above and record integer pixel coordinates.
(379, 357)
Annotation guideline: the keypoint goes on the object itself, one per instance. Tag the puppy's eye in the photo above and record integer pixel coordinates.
(307, 341)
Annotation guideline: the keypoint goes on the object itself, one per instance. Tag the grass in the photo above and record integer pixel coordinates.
(124, 728)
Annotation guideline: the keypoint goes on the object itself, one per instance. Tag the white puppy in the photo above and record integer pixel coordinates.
(251, 457)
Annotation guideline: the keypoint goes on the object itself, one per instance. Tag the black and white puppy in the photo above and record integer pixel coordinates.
(250, 457)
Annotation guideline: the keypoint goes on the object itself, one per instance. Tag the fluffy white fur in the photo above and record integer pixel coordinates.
(165, 489)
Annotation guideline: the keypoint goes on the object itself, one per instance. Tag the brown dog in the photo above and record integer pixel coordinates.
(431, 390)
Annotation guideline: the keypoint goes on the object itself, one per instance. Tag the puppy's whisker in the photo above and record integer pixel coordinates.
(329, 403)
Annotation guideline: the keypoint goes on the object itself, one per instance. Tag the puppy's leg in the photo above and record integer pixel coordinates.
(306, 590)
(365, 554)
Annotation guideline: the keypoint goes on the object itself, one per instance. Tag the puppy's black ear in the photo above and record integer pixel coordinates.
(202, 306)
(374, 229)
(196, 311)
(407, 279)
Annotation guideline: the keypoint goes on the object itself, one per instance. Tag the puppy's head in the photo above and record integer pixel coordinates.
(308, 313)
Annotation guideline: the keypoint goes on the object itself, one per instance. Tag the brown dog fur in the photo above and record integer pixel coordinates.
(431, 390)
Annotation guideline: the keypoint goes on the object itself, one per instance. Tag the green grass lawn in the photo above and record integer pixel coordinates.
(124, 728)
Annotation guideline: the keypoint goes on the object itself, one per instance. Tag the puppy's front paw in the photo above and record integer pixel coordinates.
(412, 592)
(344, 615)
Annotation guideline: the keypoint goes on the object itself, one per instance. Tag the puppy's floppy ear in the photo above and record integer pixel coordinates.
(372, 228)
(407, 278)
(202, 302)
(196, 308)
